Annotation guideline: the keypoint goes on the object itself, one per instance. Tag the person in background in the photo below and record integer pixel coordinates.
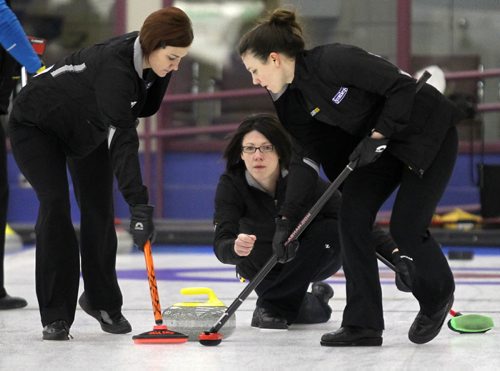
(82, 113)
(15, 51)
(343, 104)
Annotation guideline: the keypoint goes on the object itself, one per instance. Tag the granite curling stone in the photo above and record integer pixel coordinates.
(193, 317)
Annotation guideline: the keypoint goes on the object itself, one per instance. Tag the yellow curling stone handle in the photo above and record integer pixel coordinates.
(213, 300)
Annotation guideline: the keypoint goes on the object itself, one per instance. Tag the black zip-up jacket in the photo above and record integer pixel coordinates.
(92, 90)
(244, 208)
(356, 91)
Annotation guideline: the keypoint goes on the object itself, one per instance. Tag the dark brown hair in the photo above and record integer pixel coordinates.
(166, 27)
(280, 33)
(270, 127)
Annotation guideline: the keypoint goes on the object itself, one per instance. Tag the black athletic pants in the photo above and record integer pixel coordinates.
(4, 199)
(9, 68)
(284, 290)
(364, 192)
(44, 164)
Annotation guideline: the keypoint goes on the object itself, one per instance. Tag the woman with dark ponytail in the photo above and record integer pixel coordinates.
(343, 104)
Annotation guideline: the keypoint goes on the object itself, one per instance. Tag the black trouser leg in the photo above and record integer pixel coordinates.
(413, 209)
(364, 192)
(4, 199)
(43, 163)
(284, 289)
(93, 183)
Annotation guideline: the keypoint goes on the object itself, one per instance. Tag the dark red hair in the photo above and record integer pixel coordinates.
(166, 27)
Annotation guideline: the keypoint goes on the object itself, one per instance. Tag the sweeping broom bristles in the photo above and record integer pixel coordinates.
(470, 323)
(159, 335)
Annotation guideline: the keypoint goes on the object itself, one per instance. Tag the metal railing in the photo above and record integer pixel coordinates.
(163, 131)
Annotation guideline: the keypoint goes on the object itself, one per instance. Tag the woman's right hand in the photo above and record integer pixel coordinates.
(244, 243)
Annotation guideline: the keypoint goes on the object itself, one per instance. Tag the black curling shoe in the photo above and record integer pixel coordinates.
(425, 328)
(322, 291)
(352, 336)
(112, 322)
(264, 319)
(57, 330)
(12, 302)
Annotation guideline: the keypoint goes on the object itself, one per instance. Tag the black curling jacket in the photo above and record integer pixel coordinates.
(90, 92)
(356, 91)
(242, 206)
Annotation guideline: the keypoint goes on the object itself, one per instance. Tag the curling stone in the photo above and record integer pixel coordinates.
(13, 241)
(192, 318)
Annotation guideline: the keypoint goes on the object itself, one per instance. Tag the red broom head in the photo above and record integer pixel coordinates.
(208, 338)
(160, 335)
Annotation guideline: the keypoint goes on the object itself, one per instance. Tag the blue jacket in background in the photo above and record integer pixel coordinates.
(14, 40)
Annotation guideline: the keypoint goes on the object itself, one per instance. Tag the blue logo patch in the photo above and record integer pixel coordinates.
(340, 95)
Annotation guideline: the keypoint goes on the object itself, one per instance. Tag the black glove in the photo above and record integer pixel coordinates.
(141, 224)
(281, 234)
(403, 276)
(368, 150)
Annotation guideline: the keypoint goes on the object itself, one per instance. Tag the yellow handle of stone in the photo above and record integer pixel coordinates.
(212, 301)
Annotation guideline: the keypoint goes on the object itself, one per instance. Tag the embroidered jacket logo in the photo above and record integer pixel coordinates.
(340, 95)
(380, 149)
(139, 226)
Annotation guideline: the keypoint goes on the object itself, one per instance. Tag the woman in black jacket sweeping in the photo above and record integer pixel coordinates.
(248, 197)
(82, 112)
(369, 101)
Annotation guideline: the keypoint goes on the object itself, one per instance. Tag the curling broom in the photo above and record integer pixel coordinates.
(212, 337)
(160, 333)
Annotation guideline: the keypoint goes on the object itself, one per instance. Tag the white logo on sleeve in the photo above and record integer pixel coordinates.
(381, 149)
(138, 226)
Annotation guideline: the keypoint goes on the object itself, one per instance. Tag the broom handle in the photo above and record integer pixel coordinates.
(153, 289)
(386, 262)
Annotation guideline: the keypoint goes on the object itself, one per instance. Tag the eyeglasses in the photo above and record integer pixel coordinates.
(263, 149)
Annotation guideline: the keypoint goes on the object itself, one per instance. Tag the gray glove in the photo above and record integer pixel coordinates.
(141, 224)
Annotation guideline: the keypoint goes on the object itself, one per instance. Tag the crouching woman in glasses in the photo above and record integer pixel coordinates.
(247, 202)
